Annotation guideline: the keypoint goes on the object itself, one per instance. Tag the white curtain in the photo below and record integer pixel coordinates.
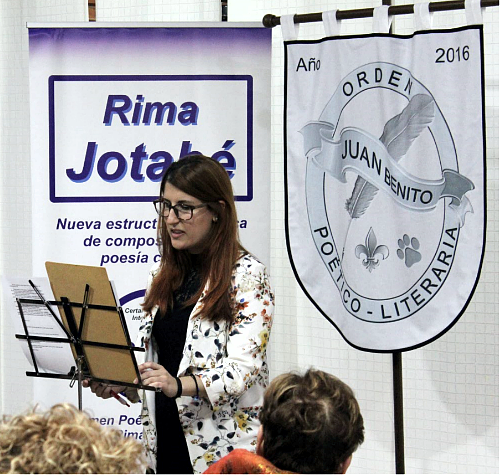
(16, 390)
(158, 10)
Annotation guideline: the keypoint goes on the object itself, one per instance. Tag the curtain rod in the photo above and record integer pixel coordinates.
(270, 20)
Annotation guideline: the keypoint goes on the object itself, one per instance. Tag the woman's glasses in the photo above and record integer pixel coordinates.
(181, 210)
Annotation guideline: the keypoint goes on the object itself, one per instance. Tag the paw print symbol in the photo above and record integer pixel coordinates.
(408, 250)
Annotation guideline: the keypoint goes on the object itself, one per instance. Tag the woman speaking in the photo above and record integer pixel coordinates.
(208, 315)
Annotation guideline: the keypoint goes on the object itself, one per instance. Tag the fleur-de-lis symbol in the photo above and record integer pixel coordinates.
(370, 251)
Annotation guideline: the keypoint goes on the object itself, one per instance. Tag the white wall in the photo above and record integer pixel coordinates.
(450, 386)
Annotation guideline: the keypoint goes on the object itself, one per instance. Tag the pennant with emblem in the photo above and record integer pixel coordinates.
(385, 181)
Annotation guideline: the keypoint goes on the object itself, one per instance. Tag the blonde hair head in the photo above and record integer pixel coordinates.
(65, 440)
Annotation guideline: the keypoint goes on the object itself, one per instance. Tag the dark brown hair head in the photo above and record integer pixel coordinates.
(311, 423)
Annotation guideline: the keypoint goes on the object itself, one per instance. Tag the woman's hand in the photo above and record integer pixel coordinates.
(102, 390)
(154, 374)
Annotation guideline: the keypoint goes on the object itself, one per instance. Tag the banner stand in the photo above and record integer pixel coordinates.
(321, 150)
(81, 369)
(399, 438)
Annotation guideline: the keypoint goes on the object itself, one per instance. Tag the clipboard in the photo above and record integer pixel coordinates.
(103, 326)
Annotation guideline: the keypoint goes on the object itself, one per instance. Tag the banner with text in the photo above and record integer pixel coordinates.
(385, 181)
(111, 109)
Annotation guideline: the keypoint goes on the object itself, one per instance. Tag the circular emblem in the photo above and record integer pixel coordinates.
(389, 243)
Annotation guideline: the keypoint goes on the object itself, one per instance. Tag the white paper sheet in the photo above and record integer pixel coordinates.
(51, 357)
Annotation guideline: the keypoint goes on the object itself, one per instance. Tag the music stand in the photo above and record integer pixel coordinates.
(88, 353)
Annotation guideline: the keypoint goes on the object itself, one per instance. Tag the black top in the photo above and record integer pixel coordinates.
(169, 331)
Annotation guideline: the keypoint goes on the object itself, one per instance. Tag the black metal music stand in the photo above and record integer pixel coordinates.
(81, 370)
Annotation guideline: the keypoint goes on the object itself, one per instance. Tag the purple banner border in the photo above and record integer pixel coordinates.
(128, 199)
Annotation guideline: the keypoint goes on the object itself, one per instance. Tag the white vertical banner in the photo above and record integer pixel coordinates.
(385, 164)
(111, 109)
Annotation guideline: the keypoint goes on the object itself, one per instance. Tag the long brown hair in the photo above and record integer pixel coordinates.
(207, 180)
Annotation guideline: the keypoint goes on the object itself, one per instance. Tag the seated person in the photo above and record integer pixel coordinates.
(65, 440)
(309, 424)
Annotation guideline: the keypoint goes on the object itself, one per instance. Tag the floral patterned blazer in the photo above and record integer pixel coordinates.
(231, 360)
